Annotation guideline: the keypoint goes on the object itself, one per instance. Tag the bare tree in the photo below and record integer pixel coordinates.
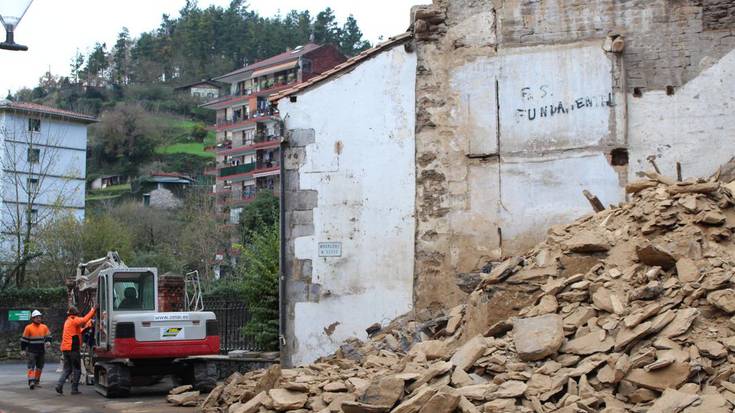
(37, 185)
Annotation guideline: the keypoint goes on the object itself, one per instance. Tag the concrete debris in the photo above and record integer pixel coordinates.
(626, 310)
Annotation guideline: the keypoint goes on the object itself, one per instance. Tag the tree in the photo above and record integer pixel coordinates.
(262, 213)
(259, 271)
(77, 62)
(103, 233)
(61, 243)
(95, 72)
(326, 29)
(121, 58)
(351, 42)
(37, 186)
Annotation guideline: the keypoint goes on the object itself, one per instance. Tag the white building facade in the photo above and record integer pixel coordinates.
(43, 172)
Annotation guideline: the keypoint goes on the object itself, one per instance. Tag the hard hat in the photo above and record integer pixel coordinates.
(36, 313)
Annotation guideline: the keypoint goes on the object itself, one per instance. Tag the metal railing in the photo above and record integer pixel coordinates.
(237, 169)
(231, 319)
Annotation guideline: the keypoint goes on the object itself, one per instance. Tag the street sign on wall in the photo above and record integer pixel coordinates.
(19, 315)
(330, 249)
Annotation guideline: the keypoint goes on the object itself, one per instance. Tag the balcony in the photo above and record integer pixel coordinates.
(262, 115)
(237, 169)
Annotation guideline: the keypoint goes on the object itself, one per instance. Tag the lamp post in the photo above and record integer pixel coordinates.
(11, 12)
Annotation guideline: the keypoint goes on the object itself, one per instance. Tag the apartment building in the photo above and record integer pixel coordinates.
(43, 171)
(249, 130)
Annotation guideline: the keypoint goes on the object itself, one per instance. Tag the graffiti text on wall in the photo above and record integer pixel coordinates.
(559, 107)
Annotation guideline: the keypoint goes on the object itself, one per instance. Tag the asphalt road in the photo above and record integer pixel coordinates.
(16, 397)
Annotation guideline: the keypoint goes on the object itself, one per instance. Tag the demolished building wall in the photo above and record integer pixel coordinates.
(521, 105)
(349, 199)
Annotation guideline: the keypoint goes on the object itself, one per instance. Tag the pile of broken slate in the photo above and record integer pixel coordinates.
(645, 327)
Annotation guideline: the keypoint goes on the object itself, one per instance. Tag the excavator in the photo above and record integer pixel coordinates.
(133, 342)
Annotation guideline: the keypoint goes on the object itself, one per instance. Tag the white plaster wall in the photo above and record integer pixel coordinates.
(695, 126)
(62, 159)
(362, 165)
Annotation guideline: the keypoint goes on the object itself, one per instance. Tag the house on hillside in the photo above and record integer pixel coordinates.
(248, 130)
(349, 198)
(163, 190)
(204, 90)
(108, 180)
(43, 172)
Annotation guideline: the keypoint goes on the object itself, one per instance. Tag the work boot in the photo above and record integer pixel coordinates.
(31, 384)
(59, 389)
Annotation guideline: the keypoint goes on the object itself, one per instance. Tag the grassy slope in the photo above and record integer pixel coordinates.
(179, 138)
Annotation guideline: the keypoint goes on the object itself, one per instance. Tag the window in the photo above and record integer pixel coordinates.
(32, 186)
(32, 216)
(34, 125)
(146, 199)
(34, 155)
(133, 292)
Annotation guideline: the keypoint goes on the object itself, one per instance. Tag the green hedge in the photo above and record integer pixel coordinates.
(34, 297)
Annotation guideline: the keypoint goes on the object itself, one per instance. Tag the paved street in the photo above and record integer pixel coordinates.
(15, 397)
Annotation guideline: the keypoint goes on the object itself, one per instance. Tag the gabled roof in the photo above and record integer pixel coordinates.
(201, 82)
(34, 108)
(348, 65)
(274, 60)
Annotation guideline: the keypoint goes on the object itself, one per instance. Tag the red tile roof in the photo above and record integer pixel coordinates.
(273, 60)
(343, 67)
(45, 110)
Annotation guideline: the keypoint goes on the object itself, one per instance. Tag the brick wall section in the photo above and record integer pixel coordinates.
(323, 59)
(171, 293)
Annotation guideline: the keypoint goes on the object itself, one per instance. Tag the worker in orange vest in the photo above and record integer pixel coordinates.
(71, 343)
(36, 339)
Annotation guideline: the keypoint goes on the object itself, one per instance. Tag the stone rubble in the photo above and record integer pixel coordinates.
(630, 311)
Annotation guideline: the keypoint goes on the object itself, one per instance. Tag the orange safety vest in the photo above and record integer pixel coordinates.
(34, 337)
(71, 338)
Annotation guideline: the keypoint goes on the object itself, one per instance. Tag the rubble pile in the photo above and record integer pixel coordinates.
(630, 311)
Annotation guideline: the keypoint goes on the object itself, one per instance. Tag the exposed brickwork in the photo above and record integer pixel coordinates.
(718, 14)
(323, 59)
(171, 293)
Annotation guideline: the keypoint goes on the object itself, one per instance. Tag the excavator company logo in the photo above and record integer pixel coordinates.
(171, 332)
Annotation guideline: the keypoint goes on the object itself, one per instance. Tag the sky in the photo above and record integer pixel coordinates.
(53, 30)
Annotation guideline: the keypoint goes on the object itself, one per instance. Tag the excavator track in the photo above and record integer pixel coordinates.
(112, 379)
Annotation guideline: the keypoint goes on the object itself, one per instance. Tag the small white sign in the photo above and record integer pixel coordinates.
(171, 317)
(172, 333)
(330, 249)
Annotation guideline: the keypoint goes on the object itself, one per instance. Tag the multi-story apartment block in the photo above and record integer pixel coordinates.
(248, 130)
(43, 152)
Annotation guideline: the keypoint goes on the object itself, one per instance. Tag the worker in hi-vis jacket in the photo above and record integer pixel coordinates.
(36, 339)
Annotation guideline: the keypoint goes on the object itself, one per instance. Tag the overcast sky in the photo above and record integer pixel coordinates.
(54, 29)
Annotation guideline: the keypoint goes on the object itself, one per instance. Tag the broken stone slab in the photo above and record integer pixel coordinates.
(477, 391)
(499, 406)
(253, 405)
(358, 407)
(508, 389)
(673, 401)
(723, 299)
(335, 386)
(655, 255)
(628, 336)
(468, 353)
(183, 398)
(181, 389)
(589, 344)
(415, 403)
(711, 403)
(586, 242)
(284, 400)
(536, 338)
(641, 314)
(639, 185)
(466, 406)
(686, 270)
(711, 348)
(383, 391)
(680, 324)
(503, 271)
(710, 218)
(441, 402)
(433, 349)
(455, 319)
(670, 377)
